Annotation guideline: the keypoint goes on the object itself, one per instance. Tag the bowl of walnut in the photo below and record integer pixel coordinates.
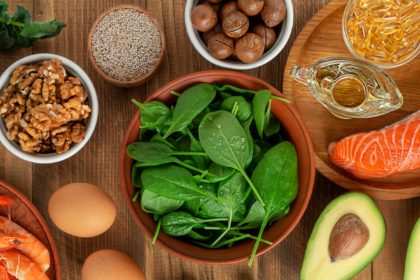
(48, 108)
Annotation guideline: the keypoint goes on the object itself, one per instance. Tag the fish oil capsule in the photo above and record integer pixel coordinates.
(377, 29)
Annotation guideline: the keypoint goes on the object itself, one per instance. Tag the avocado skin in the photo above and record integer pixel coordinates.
(411, 272)
(310, 273)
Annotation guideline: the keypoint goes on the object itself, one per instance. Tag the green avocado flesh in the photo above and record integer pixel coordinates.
(347, 236)
(412, 261)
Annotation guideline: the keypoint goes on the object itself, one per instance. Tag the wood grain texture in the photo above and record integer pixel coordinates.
(98, 163)
(322, 38)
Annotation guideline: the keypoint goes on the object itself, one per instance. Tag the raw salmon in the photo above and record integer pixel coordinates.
(393, 149)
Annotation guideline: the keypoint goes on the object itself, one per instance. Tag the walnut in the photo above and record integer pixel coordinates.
(27, 81)
(44, 110)
(21, 72)
(72, 88)
(78, 132)
(49, 116)
(52, 72)
(28, 144)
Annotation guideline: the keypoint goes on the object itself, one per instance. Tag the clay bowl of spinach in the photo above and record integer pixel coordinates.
(217, 167)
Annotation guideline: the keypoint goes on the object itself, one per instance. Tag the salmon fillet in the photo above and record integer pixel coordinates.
(393, 149)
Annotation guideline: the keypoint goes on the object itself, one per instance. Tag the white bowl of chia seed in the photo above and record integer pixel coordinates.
(126, 45)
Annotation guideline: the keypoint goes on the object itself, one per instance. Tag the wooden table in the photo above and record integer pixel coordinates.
(98, 162)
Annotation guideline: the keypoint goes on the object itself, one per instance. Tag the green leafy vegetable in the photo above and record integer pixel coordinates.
(172, 182)
(194, 162)
(260, 104)
(181, 223)
(276, 177)
(18, 31)
(157, 204)
(244, 110)
(154, 116)
(225, 142)
(190, 104)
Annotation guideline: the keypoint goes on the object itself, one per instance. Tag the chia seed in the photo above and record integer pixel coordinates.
(126, 44)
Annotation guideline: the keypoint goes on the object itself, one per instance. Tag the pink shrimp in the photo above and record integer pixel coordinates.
(25, 242)
(20, 266)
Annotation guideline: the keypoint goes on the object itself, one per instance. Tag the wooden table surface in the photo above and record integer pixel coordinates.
(98, 162)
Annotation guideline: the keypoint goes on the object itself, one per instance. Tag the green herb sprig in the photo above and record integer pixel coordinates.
(18, 31)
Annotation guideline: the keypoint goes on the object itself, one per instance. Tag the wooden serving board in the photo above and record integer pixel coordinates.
(322, 38)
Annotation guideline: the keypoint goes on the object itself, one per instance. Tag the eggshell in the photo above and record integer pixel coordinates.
(82, 210)
(111, 265)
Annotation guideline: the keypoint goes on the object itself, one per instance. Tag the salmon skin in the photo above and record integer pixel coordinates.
(380, 153)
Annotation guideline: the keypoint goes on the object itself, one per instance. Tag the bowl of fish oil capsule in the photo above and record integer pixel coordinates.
(384, 32)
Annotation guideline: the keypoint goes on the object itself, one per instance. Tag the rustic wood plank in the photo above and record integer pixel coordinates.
(98, 162)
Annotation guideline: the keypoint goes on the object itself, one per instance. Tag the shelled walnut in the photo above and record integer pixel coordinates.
(44, 110)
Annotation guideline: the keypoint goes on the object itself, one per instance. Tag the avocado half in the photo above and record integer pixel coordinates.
(412, 261)
(347, 236)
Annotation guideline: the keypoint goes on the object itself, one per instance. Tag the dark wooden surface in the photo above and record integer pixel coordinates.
(97, 163)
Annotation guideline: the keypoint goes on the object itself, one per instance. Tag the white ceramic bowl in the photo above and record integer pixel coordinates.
(282, 38)
(74, 70)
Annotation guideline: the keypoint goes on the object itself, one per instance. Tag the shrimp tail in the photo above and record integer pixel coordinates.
(5, 200)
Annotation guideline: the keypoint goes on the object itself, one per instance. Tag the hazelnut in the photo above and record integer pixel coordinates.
(235, 24)
(215, 1)
(204, 17)
(220, 46)
(267, 34)
(228, 8)
(249, 48)
(251, 7)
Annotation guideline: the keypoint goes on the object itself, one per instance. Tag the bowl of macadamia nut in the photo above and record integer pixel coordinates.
(239, 34)
(48, 108)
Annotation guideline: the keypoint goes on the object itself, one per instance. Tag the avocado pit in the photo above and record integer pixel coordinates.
(349, 236)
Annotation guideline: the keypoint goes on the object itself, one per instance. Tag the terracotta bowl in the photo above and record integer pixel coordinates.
(141, 80)
(292, 126)
(24, 213)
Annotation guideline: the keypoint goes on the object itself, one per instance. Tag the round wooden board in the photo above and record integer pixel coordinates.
(322, 38)
(24, 213)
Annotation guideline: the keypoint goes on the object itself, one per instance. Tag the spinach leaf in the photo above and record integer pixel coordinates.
(154, 203)
(18, 31)
(247, 128)
(193, 206)
(256, 215)
(154, 116)
(197, 236)
(136, 175)
(200, 161)
(276, 177)
(229, 88)
(231, 191)
(260, 104)
(219, 173)
(191, 102)
(172, 182)
(155, 153)
(244, 111)
(181, 223)
(271, 126)
(225, 142)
